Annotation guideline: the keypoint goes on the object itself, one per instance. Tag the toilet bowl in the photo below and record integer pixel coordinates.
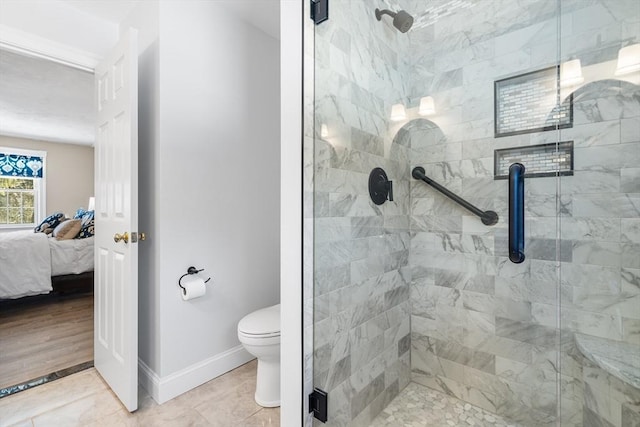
(259, 333)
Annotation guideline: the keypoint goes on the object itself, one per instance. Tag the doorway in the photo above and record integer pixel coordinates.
(48, 332)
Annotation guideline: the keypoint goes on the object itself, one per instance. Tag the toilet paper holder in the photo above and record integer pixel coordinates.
(190, 271)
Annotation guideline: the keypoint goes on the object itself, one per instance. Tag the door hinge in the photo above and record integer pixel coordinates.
(318, 404)
(319, 11)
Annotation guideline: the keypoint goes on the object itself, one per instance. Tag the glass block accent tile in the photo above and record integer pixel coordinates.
(528, 103)
(538, 160)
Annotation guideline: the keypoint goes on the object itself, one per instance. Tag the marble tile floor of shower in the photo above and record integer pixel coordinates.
(418, 405)
(84, 399)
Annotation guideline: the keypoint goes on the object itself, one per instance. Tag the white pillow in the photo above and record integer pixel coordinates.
(68, 229)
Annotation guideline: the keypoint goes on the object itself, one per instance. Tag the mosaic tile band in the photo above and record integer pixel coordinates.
(538, 160)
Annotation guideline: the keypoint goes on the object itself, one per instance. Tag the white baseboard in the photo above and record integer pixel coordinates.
(166, 388)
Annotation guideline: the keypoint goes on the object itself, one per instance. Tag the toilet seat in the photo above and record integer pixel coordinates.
(259, 340)
(263, 323)
(266, 335)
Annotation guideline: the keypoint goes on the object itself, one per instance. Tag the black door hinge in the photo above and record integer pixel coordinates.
(318, 404)
(319, 11)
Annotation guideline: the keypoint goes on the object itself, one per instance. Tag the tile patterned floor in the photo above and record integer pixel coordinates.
(83, 399)
(421, 406)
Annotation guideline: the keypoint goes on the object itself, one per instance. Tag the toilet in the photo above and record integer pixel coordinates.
(259, 333)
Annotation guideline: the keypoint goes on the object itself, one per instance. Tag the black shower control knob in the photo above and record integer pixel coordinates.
(380, 188)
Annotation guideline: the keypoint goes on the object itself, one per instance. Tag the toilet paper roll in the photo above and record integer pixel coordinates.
(194, 287)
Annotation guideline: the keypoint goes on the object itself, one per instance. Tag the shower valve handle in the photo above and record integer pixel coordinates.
(380, 187)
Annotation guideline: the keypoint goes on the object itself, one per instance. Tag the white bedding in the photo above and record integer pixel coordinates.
(25, 264)
(28, 260)
(73, 256)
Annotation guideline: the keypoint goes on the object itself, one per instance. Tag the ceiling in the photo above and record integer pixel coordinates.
(48, 101)
(263, 14)
(44, 100)
(110, 10)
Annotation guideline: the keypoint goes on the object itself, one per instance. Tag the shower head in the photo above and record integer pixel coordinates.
(401, 19)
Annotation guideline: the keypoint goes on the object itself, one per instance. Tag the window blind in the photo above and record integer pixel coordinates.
(18, 165)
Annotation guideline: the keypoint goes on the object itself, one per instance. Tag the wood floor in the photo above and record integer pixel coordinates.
(43, 335)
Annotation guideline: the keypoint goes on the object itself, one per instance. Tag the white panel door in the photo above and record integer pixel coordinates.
(116, 218)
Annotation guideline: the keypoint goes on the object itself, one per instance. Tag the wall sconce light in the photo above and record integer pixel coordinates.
(92, 204)
(398, 112)
(571, 73)
(427, 106)
(628, 59)
(324, 131)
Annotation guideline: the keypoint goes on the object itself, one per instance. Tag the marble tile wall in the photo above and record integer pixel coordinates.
(472, 330)
(361, 309)
(483, 329)
(602, 281)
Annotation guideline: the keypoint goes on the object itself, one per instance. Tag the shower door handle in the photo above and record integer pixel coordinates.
(516, 213)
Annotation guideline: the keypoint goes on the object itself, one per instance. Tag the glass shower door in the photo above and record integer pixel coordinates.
(600, 230)
(418, 312)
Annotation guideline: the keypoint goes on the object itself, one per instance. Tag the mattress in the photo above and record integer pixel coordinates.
(72, 256)
(25, 264)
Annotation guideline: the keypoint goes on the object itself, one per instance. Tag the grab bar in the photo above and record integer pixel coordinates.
(516, 213)
(487, 217)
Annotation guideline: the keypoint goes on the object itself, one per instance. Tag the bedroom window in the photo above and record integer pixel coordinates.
(21, 188)
(17, 201)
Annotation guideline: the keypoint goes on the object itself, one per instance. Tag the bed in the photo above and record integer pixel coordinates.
(34, 263)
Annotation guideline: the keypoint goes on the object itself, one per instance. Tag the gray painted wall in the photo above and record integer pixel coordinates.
(209, 186)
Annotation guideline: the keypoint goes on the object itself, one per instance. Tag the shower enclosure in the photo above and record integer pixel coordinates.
(417, 310)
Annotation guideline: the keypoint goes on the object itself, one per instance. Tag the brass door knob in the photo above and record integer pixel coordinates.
(124, 236)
